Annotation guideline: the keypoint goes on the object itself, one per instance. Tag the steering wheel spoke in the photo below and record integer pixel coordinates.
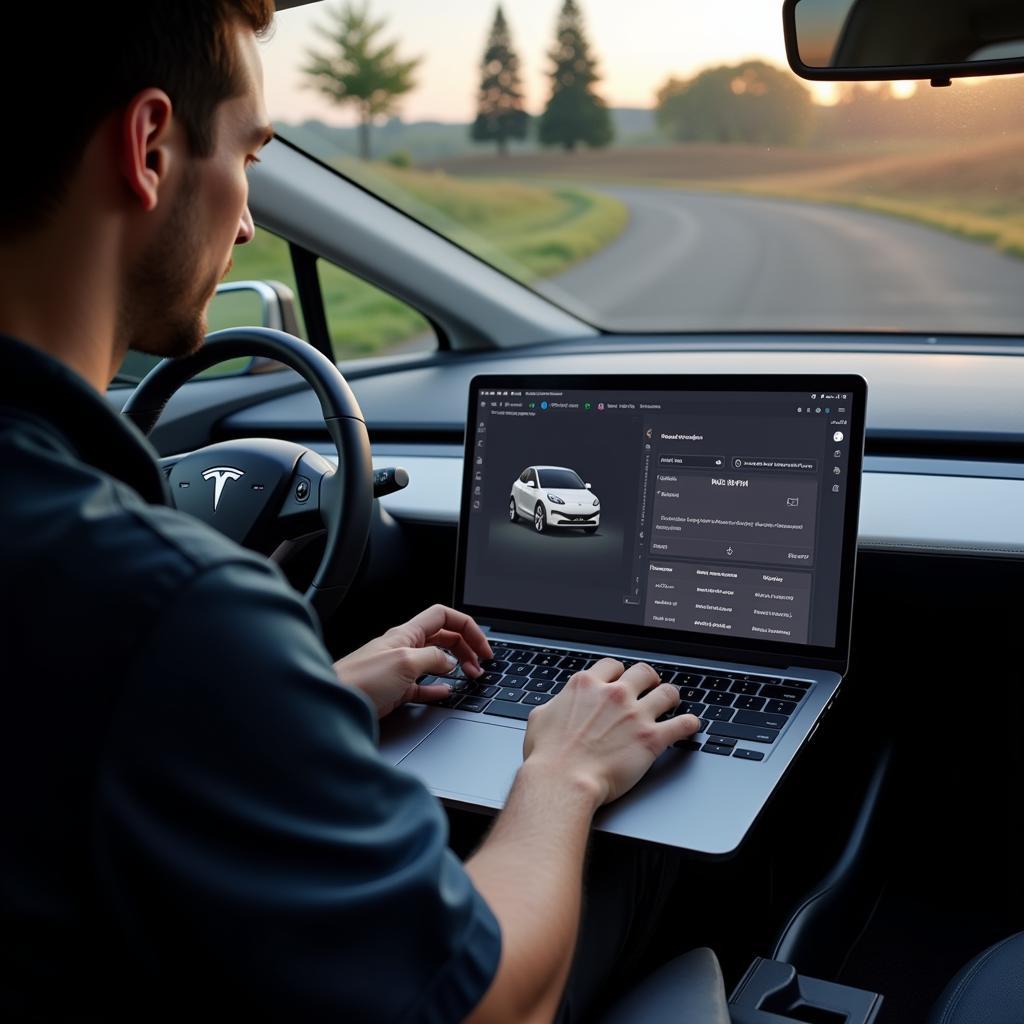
(168, 463)
(310, 499)
(266, 493)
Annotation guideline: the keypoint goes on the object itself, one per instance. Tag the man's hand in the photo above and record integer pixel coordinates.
(589, 745)
(598, 730)
(386, 669)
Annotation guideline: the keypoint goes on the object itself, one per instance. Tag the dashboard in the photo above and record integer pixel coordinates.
(944, 465)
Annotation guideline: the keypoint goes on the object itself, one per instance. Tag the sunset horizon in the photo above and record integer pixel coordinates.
(631, 69)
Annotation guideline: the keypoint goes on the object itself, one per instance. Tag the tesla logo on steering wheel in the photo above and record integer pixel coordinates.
(220, 475)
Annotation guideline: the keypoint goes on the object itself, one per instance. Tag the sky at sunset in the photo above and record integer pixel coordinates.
(639, 45)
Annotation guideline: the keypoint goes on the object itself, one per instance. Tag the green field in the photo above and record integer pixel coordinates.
(527, 230)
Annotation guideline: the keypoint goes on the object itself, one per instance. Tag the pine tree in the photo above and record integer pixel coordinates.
(500, 115)
(574, 113)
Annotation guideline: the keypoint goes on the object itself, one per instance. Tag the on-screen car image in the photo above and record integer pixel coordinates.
(554, 497)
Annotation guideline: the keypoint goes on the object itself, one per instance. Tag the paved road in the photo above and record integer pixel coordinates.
(697, 261)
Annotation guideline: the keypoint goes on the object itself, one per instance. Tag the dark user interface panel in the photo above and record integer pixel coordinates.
(711, 512)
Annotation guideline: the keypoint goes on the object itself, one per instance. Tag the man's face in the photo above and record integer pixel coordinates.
(173, 281)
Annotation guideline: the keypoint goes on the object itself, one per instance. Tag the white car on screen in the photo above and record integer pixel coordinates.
(553, 496)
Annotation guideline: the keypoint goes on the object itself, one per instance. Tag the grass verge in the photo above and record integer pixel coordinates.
(528, 230)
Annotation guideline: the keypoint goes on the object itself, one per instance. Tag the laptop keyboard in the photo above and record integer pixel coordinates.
(733, 708)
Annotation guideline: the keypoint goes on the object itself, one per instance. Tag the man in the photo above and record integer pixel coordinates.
(196, 819)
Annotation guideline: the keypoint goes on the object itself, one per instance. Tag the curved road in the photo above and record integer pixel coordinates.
(698, 261)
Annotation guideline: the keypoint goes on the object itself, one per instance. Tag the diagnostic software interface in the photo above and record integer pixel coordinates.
(703, 511)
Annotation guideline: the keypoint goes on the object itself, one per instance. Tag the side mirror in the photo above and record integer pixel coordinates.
(587, 486)
(891, 40)
(266, 303)
(236, 304)
(530, 483)
(243, 303)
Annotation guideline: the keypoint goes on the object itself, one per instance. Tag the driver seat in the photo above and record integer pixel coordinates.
(689, 988)
(988, 990)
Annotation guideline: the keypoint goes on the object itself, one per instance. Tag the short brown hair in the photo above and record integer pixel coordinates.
(89, 59)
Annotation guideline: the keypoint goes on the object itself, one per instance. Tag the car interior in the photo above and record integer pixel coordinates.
(889, 857)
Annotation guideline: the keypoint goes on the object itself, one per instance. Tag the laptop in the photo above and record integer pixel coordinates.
(704, 524)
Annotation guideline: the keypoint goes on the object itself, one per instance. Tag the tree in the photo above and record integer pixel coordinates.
(574, 113)
(752, 102)
(500, 115)
(360, 70)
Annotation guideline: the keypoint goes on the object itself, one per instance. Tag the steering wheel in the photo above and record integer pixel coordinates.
(263, 492)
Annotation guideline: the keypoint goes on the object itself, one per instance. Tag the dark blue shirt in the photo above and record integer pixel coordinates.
(195, 816)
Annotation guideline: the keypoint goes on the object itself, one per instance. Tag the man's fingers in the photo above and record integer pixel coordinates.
(640, 678)
(661, 699)
(456, 643)
(439, 616)
(429, 661)
(430, 693)
(607, 670)
(682, 727)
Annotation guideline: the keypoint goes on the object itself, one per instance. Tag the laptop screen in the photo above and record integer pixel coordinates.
(686, 509)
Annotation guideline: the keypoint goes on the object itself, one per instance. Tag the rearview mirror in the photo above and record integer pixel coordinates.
(884, 40)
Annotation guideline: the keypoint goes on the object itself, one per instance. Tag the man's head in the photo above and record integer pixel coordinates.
(138, 123)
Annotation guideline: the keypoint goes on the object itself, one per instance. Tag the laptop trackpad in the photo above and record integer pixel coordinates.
(468, 759)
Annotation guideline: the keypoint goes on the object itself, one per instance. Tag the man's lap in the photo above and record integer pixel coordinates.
(627, 887)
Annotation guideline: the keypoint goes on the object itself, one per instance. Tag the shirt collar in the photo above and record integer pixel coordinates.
(34, 383)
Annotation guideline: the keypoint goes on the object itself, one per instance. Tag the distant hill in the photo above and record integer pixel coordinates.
(428, 142)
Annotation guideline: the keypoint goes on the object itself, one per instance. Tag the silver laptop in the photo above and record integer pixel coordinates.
(706, 525)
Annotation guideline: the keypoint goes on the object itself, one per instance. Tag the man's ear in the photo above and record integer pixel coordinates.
(146, 141)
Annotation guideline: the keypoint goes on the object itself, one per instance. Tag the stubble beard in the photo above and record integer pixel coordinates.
(164, 311)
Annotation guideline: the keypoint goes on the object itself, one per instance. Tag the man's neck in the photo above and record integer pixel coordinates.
(55, 295)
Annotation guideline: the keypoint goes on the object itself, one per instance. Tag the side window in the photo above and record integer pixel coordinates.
(524, 476)
(531, 476)
(365, 321)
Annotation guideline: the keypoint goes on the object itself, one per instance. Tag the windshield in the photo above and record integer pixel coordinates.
(564, 479)
(656, 167)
